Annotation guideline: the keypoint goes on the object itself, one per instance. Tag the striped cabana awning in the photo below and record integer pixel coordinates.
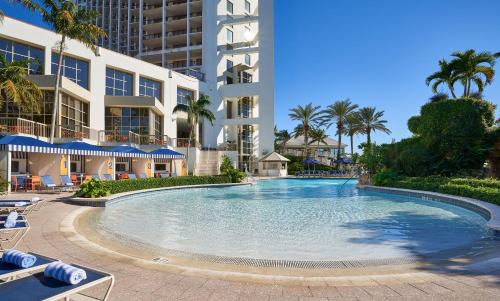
(165, 153)
(17, 143)
(129, 152)
(85, 149)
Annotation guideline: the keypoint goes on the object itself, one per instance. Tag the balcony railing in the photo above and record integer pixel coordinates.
(114, 137)
(12, 126)
(228, 146)
(76, 132)
(183, 142)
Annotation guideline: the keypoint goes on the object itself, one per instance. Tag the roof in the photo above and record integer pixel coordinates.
(82, 148)
(299, 142)
(129, 151)
(274, 157)
(165, 153)
(28, 144)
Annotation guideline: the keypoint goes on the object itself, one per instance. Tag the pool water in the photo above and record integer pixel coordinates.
(292, 219)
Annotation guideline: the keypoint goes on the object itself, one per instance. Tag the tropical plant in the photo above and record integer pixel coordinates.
(471, 67)
(282, 138)
(196, 111)
(445, 76)
(226, 164)
(16, 87)
(439, 97)
(318, 136)
(72, 22)
(94, 189)
(227, 169)
(308, 117)
(337, 113)
(371, 121)
(352, 128)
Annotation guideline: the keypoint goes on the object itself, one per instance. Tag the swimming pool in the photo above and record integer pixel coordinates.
(292, 219)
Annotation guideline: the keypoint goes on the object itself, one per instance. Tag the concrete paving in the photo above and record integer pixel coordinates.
(136, 280)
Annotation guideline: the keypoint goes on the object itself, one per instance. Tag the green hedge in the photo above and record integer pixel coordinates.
(487, 190)
(114, 187)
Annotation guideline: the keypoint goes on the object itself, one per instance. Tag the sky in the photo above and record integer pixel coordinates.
(376, 53)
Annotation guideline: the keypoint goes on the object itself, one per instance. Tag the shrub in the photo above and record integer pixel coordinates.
(227, 168)
(150, 183)
(226, 164)
(94, 189)
(482, 189)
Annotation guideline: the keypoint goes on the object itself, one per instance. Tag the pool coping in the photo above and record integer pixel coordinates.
(102, 202)
(490, 211)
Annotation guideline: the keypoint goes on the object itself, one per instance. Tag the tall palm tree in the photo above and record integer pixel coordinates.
(319, 136)
(283, 136)
(370, 121)
(445, 76)
(337, 114)
(471, 67)
(352, 128)
(72, 23)
(196, 111)
(308, 117)
(16, 87)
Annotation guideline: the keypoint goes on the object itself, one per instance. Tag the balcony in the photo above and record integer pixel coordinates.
(183, 142)
(110, 138)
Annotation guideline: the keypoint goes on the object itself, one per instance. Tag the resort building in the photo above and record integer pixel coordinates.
(326, 153)
(109, 98)
(227, 44)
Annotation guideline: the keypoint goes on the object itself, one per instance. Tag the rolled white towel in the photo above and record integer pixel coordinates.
(20, 204)
(21, 259)
(65, 272)
(11, 220)
(35, 199)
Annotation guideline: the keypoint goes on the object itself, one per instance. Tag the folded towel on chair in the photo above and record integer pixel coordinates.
(35, 199)
(11, 220)
(20, 204)
(21, 259)
(65, 272)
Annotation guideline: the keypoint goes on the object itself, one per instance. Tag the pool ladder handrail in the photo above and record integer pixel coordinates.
(352, 177)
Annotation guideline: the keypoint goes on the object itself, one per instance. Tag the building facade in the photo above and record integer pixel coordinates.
(111, 98)
(227, 44)
(325, 152)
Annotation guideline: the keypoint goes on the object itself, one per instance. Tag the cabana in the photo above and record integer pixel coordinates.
(273, 165)
(27, 158)
(167, 161)
(132, 160)
(86, 160)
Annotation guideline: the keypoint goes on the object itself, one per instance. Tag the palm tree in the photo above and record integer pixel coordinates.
(471, 67)
(308, 116)
(444, 76)
(439, 97)
(370, 121)
(71, 22)
(352, 127)
(196, 110)
(282, 138)
(337, 114)
(318, 135)
(15, 87)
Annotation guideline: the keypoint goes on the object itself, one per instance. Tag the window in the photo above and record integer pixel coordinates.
(160, 167)
(229, 36)
(158, 126)
(149, 87)
(183, 95)
(118, 83)
(74, 114)
(74, 69)
(14, 166)
(229, 7)
(248, 60)
(248, 6)
(121, 121)
(13, 51)
(229, 66)
(121, 167)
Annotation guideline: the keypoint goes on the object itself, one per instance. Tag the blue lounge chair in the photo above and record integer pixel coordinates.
(6, 207)
(174, 174)
(10, 272)
(48, 182)
(132, 176)
(107, 177)
(39, 287)
(143, 176)
(67, 183)
(12, 236)
(96, 176)
(164, 175)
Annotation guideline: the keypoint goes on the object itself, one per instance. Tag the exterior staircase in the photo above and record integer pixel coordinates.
(207, 163)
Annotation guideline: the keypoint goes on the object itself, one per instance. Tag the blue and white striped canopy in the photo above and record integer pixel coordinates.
(129, 152)
(16, 143)
(165, 153)
(85, 149)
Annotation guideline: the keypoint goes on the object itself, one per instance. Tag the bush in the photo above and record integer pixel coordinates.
(94, 189)
(487, 190)
(150, 183)
(227, 169)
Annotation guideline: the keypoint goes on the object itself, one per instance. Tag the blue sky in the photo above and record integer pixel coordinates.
(377, 53)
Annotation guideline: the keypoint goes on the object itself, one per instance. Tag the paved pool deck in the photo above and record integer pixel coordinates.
(137, 279)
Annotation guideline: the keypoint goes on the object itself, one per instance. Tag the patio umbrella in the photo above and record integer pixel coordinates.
(343, 161)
